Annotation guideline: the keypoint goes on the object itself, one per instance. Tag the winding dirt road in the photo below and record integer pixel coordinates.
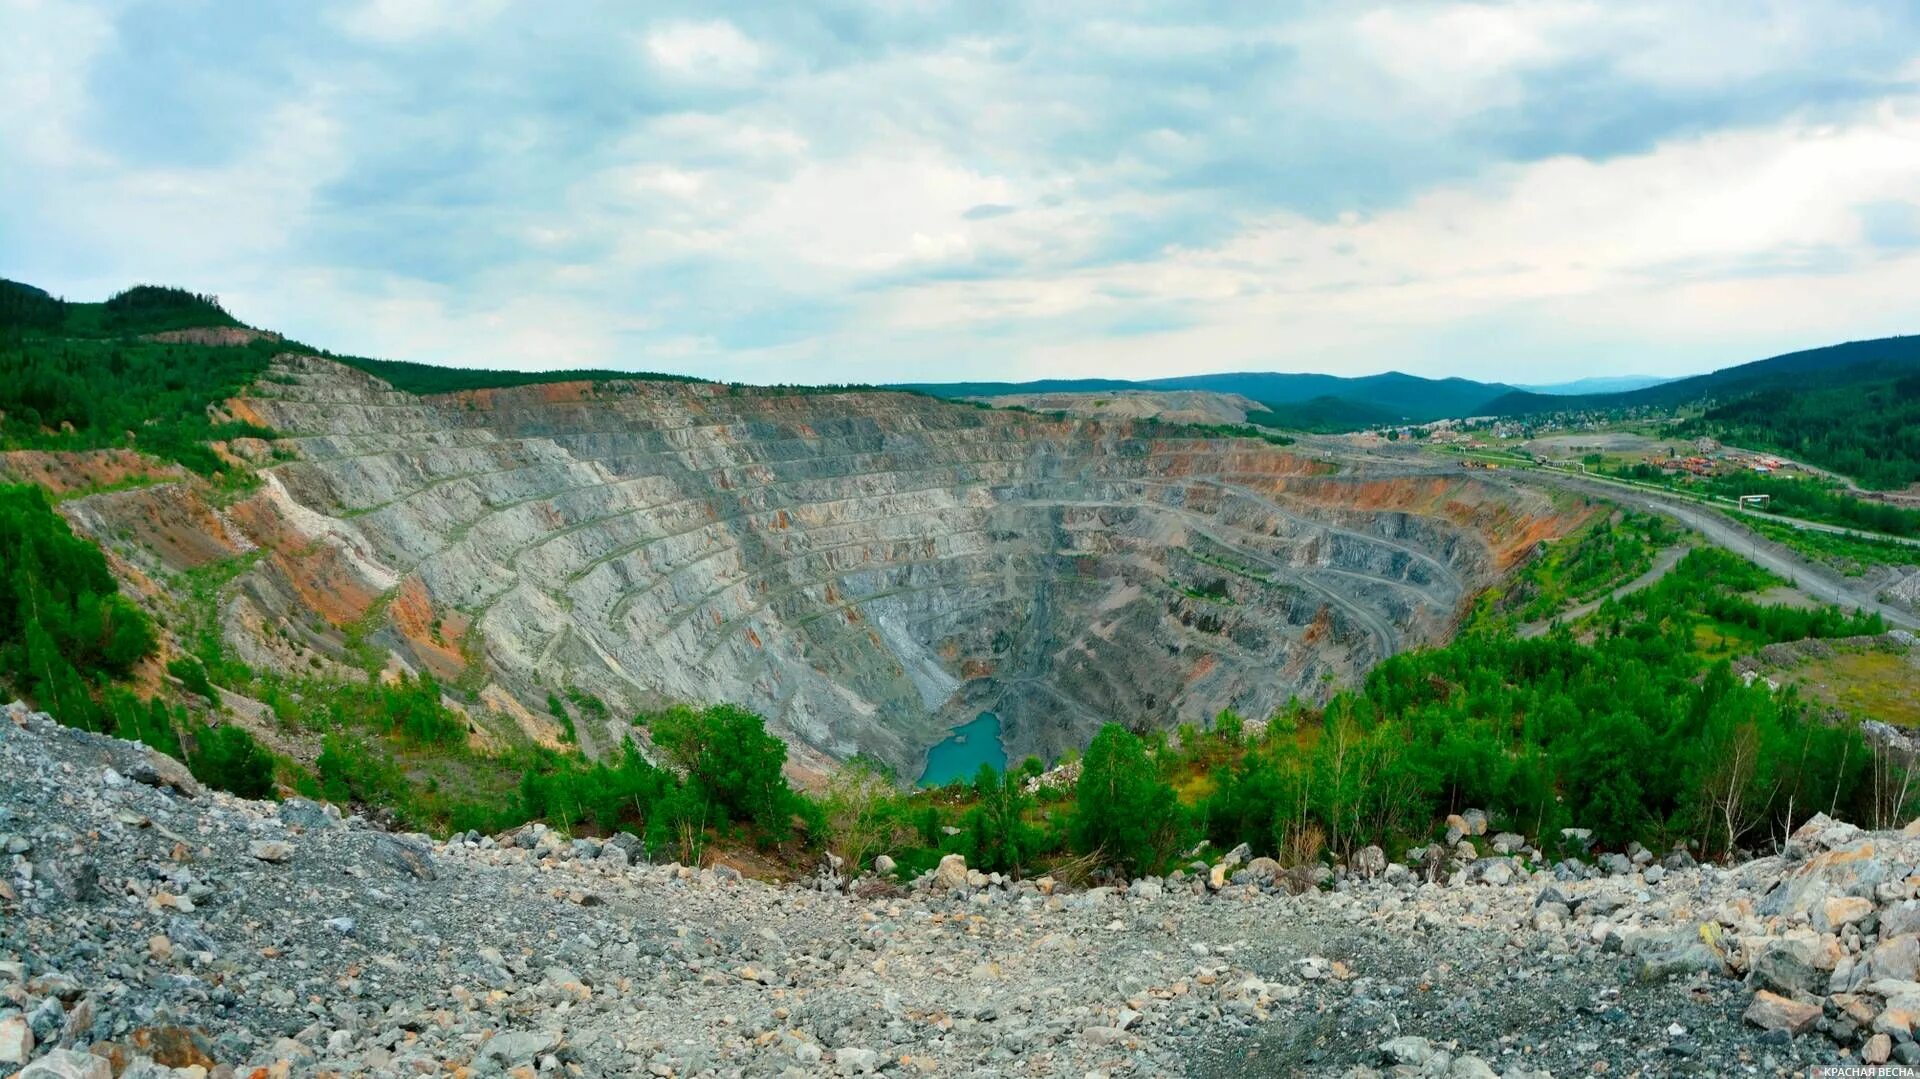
(1815, 580)
(1663, 564)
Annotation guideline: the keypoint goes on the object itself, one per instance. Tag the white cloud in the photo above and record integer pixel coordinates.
(396, 317)
(44, 57)
(395, 22)
(705, 51)
(1687, 237)
(1463, 186)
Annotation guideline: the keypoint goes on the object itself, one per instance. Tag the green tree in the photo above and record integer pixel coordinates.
(732, 762)
(1123, 810)
(855, 808)
(193, 675)
(998, 837)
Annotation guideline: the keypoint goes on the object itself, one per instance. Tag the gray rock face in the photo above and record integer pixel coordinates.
(865, 569)
(1677, 954)
(1408, 1050)
(309, 815)
(518, 1046)
(68, 1064)
(16, 1040)
(406, 855)
(1787, 965)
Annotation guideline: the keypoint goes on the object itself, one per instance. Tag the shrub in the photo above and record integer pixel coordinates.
(855, 811)
(1123, 809)
(229, 758)
(59, 602)
(732, 763)
(150, 722)
(413, 711)
(193, 675)
(998, 837)
(348, 773)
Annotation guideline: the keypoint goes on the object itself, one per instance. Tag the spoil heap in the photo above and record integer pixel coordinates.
(150, 928)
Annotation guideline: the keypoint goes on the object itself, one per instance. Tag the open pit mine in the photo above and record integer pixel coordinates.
(868, 570)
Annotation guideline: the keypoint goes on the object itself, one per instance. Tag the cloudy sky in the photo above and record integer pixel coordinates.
(919, 190)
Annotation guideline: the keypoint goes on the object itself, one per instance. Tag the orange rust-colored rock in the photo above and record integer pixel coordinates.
(326, 582)
(68, 472)
(174, 1047)
(1203, 667)
(172, 523)
(1321, 628)
(434, 636)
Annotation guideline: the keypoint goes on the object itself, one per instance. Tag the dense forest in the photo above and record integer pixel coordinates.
(1868, 430)
(85, 376)
(1851, 408)
(426, 379)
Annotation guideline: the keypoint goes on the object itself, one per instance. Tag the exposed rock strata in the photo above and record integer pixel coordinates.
(1170, 406)
(866, 569)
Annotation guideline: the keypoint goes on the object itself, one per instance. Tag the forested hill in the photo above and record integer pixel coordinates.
(142, 369)
(1844, 364)
(1868, 428)
(127, 372)
(1853, 408)
(1391, 397)
(142, 309)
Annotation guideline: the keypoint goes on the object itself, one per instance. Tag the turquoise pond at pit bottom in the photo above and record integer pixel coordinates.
(964, 751)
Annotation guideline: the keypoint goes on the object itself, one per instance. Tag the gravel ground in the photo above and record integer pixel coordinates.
(151, 928)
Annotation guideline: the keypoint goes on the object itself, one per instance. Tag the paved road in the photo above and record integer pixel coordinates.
(1663, 564)
(1815, 580)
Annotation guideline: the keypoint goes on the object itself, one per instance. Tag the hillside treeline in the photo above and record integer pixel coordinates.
(1868, 430)
(84, 376)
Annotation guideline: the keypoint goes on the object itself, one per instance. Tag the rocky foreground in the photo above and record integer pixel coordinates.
(151, 928)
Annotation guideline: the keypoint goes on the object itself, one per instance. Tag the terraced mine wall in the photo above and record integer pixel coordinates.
(867, 569)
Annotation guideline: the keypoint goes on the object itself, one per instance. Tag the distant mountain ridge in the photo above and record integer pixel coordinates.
(1390, 397)
(1397, 397)
(1859, 359)
(1599, 384)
